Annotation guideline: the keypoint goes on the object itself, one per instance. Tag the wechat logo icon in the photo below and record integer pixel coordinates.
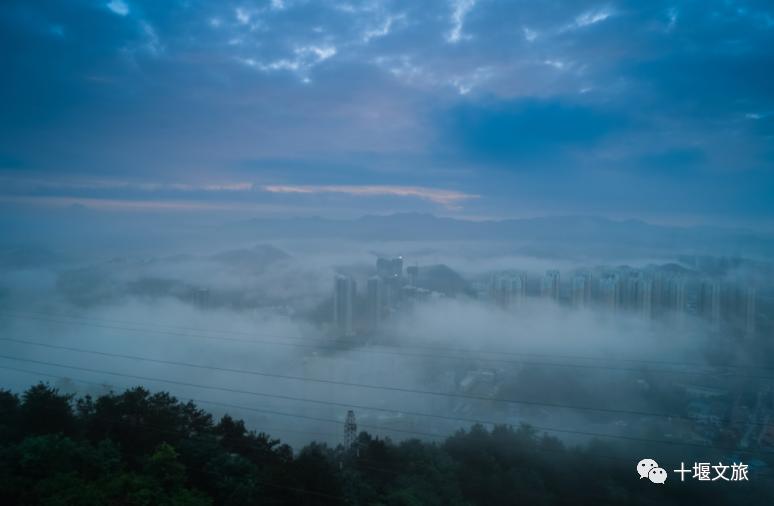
(648, 468)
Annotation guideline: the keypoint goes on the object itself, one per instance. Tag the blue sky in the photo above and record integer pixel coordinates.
(469, 108)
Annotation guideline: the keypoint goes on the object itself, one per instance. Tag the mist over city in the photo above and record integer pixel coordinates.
(385, 252)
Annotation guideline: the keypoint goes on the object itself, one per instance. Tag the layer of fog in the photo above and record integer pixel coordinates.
(141, 306)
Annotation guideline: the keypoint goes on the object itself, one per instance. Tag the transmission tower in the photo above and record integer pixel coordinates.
(350, 429)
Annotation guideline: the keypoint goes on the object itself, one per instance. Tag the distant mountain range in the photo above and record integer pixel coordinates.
(550, 236)
(257, 258)
(77, 233)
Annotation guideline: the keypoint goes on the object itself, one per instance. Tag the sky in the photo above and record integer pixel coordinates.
(476, 109)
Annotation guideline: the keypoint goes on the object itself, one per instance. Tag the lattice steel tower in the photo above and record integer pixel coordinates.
(350, 429)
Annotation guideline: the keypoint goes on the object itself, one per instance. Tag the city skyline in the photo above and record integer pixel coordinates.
(393, 252)
(669, 293)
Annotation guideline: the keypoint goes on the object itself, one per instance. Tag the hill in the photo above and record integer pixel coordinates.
(143, 448)
(548, 236)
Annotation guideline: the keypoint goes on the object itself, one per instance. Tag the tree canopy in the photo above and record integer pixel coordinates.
(139, 448)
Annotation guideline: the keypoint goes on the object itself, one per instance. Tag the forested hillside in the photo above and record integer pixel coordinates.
(143, 448)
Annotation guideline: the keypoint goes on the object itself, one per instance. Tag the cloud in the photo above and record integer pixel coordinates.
(118, 7)
(521, 130)
(460, 9)
(31, 184)
(304, 59)
(389, 77)
(468, 82)
(382, 29)
(242, 15)
(258, 313)
(592, 17)
(448, 198)
(672, 14)
(152, 43)
(145, 205)
(557, 64)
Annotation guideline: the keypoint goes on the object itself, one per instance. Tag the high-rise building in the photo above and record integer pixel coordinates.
(201, 297)
(589, 287)
(375, 291)
(549, 286)
(518, 289)
(508, 290)
(678, 306)
(382, 267)
(646, 298)
(412, 272)
(389, 267)
(344, 292)
(658, 295)
(750, 303)
(709, 302)
(581, 289)
(676, 289)
(610, 291)
(391, 272)
(630, 287)
(397, 267)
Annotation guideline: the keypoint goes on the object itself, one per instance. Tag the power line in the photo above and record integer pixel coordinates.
(246, 408)
(356, 342)
(361, 385)
(339, 422)
(358, 461)
(374, 408)
(288, 342)
(190, 437)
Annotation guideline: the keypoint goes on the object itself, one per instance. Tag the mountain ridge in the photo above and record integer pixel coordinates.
(582, 232)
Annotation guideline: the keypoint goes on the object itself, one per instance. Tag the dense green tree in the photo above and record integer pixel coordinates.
(315, 469)
(164, 466)
(45, 411)
(138, 448)
(9, 416)
(233, 480)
